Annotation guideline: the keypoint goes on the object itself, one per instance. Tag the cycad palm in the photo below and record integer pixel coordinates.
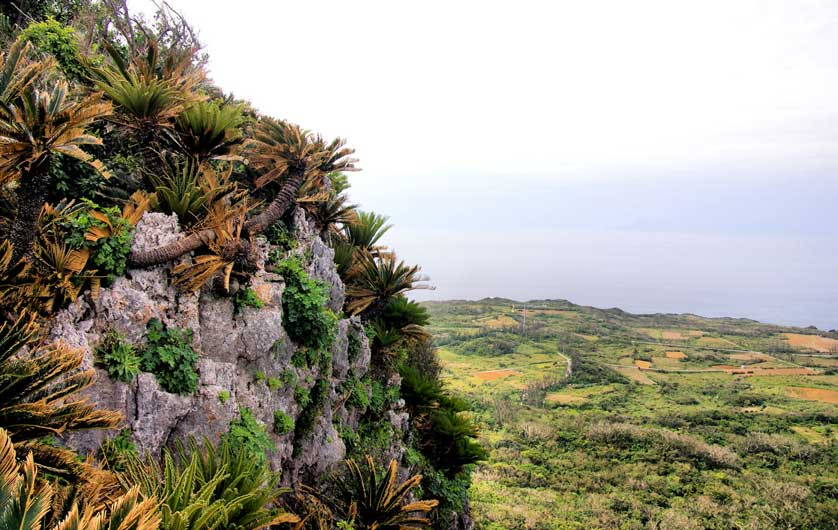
(149, 92)
(380, 279)
(366, 229)
(206, 130)
(372, 502)
(33, 128)
(281, 151)
(29, 503)
(210, 488)
(16, 70)
(39, 397)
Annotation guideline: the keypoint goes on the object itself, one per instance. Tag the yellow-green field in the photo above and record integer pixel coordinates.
(665, 422)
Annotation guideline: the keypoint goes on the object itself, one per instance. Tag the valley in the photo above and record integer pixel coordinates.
(604, 419)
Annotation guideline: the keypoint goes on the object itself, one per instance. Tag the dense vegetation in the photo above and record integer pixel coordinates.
(664, 421)
(106, 116)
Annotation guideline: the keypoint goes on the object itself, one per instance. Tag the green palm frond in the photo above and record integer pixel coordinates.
(366, 229)
(146, 102)
(380, 279)
(373, 502)
(207, 487)
(208, 130)
(330, 213)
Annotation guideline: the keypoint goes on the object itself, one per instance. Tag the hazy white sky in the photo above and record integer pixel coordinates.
(453, 88)
(601, 120)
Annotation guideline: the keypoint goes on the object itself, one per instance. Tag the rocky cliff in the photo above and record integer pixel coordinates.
(239, 348)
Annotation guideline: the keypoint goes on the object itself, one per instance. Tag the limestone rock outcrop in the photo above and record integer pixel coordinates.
(233, 346)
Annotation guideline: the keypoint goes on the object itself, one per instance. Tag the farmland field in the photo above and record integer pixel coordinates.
(604, 419)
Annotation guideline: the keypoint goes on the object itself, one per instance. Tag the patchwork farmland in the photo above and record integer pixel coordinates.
(604, 419)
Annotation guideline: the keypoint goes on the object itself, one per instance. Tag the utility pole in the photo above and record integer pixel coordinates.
(524, 330)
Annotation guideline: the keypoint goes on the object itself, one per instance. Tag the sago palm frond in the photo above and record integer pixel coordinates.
(145, 103)
(206, 487)
(227, 249)
(16, 70)
(41, 123)
(208, 130)
(188, 187)
(373, 502)
(27, 502)
(366, 229)
(380, 279)
(34, 127)
(39, 396)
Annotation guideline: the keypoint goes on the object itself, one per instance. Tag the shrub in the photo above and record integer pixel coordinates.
(108, 253)
(354, 346)
(247, 434)
(382, 397)
(283, 423)
(119, 358)
(667, 444)
(586, 371)
(358, 393)
(305, 316)
(313, 409)
(54, 38)
(169, 356)
(274, 383)
(247, 297)
(494, 344)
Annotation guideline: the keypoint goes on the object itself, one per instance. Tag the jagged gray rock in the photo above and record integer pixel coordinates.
(233, 347)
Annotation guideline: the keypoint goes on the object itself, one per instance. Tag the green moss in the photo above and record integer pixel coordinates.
(259, 376)
(224, 396)
(274, 383)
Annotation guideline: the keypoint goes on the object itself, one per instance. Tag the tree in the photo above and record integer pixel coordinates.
(34, 127)
(279, 150)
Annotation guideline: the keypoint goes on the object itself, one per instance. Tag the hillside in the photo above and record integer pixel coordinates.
(603, 419)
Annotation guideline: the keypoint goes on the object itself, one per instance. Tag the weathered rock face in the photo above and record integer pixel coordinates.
(233, 347)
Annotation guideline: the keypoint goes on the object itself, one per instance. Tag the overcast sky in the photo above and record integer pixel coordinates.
(657, 156)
